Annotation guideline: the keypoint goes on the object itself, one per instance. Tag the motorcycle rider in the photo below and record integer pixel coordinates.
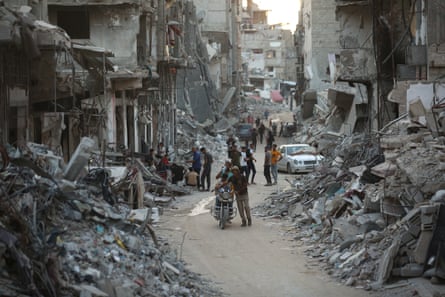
(224, 186)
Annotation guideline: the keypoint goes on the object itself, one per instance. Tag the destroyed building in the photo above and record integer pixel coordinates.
(370, 59)
(115, 71)
(268, 54)
(374, 106)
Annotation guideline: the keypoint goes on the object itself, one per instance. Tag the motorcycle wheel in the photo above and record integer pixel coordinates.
(222, 219)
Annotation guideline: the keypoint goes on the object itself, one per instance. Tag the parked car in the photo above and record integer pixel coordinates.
(244, 132)
(289, 128)
(298, 158)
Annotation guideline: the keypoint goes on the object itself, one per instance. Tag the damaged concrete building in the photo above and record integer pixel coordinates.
(268, 53)
(115, 71)
(28, 47)
(370, 59)
(373, 104)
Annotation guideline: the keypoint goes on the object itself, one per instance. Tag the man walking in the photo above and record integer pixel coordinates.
(276, 156)
(239, 183)
(206, 168)
(267, 162)
(269, 137)
(250, 163)
(261, 131)
(235, 155)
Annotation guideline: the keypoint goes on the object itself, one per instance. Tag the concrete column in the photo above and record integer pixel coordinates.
(111, 119)
(137, 145)
(161, 36)
(124, 119)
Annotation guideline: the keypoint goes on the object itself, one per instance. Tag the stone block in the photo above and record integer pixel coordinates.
(79, 159)
(416, 108)
(405, 238)
(126, 290)
(107, 286)
(423, 243)
(89, 291)
(384, 169)
(411, 270)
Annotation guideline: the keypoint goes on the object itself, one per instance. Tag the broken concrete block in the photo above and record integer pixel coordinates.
(411, 270)
(89, 291)
(342, 99)
(386, 263)
(126, 290)
(416, 108)
(79, 159)
(439, 196)
(405, 238)
(140, 215)
(421, 250)
(94, 273)
(384, 169)
(133, 243)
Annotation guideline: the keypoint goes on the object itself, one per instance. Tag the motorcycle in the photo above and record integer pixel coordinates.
(223, 210)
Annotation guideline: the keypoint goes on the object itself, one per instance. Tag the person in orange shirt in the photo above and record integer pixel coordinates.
(276, 156)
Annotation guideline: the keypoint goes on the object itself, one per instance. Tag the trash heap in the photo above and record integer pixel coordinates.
(375, 211)
(91, 236)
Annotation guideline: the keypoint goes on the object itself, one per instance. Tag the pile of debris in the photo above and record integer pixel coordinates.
(375, 211)
(90, 236)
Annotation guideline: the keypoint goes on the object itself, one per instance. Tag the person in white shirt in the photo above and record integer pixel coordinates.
(243, 162)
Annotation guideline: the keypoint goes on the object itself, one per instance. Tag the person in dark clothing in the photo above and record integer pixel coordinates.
(150, 158)
(235, 155)
(177, 173)
(206, 168)
(270, 138)
(196, 163)
(267, 164)
(239, 183)
(261, 131)
(230, 142)
(251, 163)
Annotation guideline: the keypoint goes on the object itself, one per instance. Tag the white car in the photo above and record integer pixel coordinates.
(298, 158)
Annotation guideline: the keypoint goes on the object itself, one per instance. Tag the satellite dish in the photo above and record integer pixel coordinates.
(200, 16)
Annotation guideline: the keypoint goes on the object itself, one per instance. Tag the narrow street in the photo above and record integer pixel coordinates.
(246, 261)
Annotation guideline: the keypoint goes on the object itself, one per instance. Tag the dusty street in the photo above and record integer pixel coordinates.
(245, 261)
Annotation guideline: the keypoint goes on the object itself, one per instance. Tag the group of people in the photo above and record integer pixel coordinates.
(236, 173)
(271, 157)
(199, 173)
(244, 159)
(159, 160)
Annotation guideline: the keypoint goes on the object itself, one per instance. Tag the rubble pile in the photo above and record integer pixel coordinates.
(85, 237)
(375, 211)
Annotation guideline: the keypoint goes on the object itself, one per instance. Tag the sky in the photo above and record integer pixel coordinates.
(281, 11)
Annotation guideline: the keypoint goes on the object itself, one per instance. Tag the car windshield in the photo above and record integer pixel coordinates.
(244, 128)
(300, 149)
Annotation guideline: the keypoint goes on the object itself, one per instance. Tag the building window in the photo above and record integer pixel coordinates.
(270, 54)
(75, 21)
(257, 51)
